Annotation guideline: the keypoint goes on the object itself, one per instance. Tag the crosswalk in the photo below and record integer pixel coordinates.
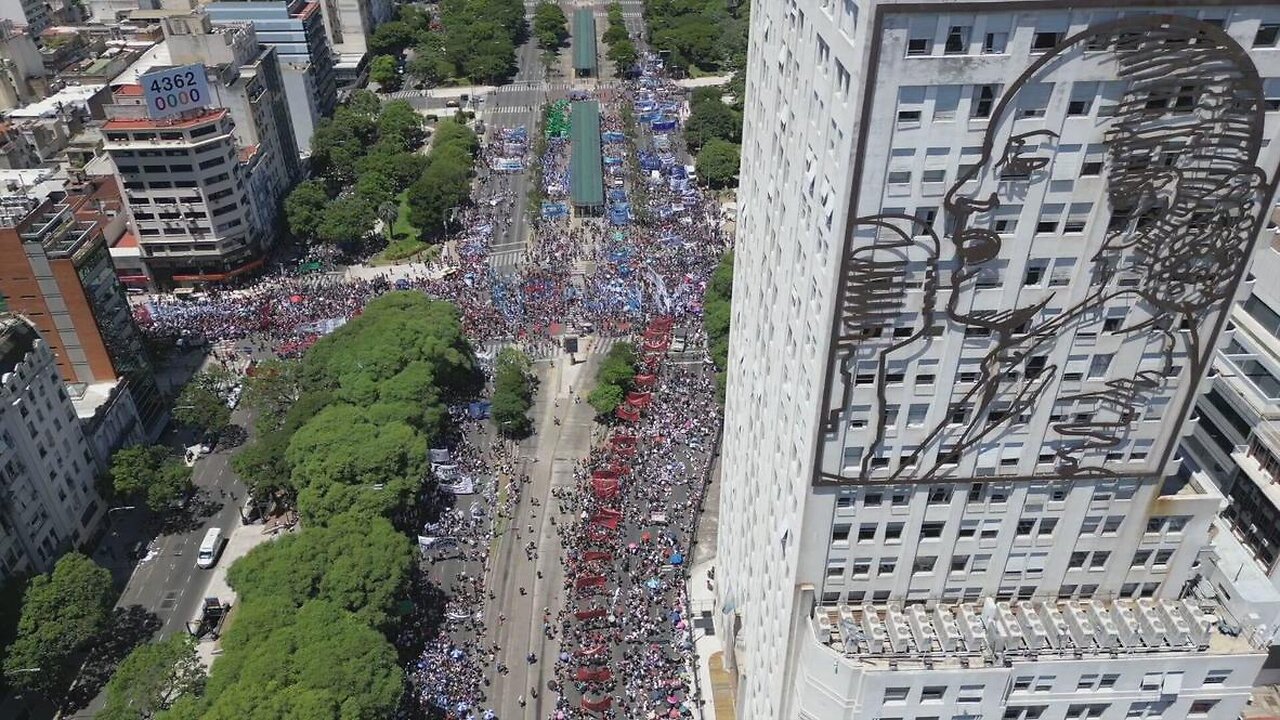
(408, 93)
(545, 350)
(509, 109)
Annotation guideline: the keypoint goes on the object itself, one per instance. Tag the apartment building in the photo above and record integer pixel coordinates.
(48, 503)
(985, 254)
(56, 272)
(296, 30)
(205, 188)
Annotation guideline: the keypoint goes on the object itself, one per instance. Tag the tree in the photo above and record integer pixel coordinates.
(605, 398)
(391, 38)
(272, 390)
(430, 63)
(318, 661)
(361, 564)
(550, 25)
(717, 164)
(512, 393)
(62, 613)
(347, 220)
(201, 407)
(151, 473)
(304, 208)
(374, 189)
(711, 119)
(623, 53)
(715, 318)
(385, 70)
(152, 677)
(399, 119)
(444, 186)
(619, 366)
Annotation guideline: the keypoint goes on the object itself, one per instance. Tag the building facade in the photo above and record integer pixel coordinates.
(48, 503)
(56, 271)
(1012, 233)
(296, 30)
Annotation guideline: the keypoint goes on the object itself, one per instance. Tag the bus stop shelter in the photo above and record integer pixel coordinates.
(584, 43)
(586, 180)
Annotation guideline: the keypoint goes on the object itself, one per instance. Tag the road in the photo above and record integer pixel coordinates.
(169, 584)
(554, 452)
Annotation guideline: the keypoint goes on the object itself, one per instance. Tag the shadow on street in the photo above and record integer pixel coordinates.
(130, 627)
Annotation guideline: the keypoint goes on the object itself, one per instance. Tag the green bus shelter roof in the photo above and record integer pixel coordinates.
(584, 40)
(587, 165)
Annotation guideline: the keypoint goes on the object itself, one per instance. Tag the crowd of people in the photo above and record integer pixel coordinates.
(625, 638)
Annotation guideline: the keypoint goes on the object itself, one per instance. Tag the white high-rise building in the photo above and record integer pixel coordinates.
(48, 502)
(986, 252)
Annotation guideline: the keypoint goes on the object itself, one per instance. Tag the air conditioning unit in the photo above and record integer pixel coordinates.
(1200, 623)
(1177, 627)
(899, 634)
(1078, 625)
(874, 630)
(1055, 624)
(971, 626)
(921, 628)
(948, 632)
(824, 628)
(1152, 627)
(1127, 623)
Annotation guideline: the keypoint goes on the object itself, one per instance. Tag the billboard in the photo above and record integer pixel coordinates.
(175, 90)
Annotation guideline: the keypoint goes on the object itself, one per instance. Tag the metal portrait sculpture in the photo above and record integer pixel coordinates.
(1186, 201)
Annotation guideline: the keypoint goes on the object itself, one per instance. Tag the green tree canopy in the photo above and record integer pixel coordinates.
(623, 53)
(512, 393)
(718, 162)
(550, 25)
(304, 208)
(63, 612)
(385, 70)
(358, 563)
(716, 315)
(619, 366)
(711, 119)
(391, 38)
(318, 662)
(202, 407)
(606, 398)
(399, 119)
(152, 678)
(151, 473)
(347, 220)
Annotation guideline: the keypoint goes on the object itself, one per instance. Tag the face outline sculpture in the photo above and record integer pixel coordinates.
(1186, 198)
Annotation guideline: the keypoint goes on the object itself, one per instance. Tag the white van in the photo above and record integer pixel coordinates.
(210, 547)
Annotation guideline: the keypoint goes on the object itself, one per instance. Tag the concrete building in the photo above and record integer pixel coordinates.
(349, 24)
(22, 74)
(48, 503)
(985, 254)
(56, 271)
(205, 188)
(296, 30)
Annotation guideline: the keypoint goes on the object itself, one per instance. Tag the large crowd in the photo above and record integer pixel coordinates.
(637, 272)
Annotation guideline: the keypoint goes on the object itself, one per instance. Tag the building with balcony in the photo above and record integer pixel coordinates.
(985, 255)
(48, 503)
(296, 30)
(56, 271)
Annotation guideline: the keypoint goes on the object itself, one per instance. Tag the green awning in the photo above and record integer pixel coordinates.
(587, 166)
(584, 41)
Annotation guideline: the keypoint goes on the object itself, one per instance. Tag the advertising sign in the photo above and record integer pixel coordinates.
(175, 90)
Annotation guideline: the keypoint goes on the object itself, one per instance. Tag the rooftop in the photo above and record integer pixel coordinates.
(17, 338)
(173, 123)
(989, 633)
(586, 174)
(68, 97)
(88, 398)
(157, 56)
(584, 40)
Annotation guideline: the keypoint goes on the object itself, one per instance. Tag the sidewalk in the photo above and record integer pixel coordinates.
(714, 682)
(240, 540)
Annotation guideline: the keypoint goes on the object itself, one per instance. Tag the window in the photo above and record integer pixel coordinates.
(1163, 557)
(1099, 559)
(919, 46)
(1077, 560)
(957, 40)
(907, 117)
(896, 694)
(835, 572)
(1111, 525)
(1043, 41)
(860, 567)
(995, 42)
(1078, 107)
(840, 534)
(887, 566)
(893, 532)
(934, 176)
(1047, 525)
(1035, 273)
(1267, 35)
(1025, 526)
(933, 693)
(970, 694)
(844, 502)
(1141, 557)
(984, 99)
(1202, 707)
(1022, 682)
(901, 177)
(959, 563)
(1091, 168)
(1152, 681)
(940, 495)
(916, 414)
(1108, 681)
(931, 530)
(1044, 683)
(923, 565)
(1216, 677)
(866, 533)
